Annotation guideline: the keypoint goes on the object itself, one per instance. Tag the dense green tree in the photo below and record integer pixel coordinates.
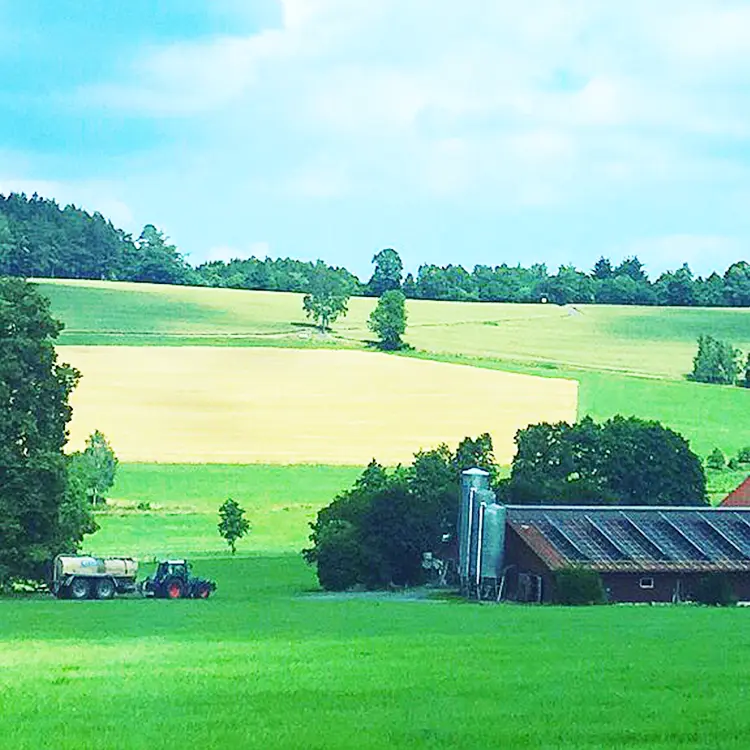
(327, 298)
(624, 461)
(737, 284)
(716, 460)
(388, 320)
(232, 523)
(376, 533)
(745, 381)
(157, 261)
(41, 513)
(715, 362)
(387, 273)
(676, 288)
(633, 268)
(96, 466)
(602, 269)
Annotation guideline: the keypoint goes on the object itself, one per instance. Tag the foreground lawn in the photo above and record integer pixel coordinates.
(266, 665)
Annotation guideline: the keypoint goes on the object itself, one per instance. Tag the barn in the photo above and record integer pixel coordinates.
(739, 497)
(643, 554)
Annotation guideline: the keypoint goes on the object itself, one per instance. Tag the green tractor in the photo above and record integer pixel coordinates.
(172, 580)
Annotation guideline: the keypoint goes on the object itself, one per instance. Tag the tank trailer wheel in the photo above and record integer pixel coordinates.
(80, 588)
(105, 589)
(173, 589)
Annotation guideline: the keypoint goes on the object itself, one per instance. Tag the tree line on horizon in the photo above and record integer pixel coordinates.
(38, 238)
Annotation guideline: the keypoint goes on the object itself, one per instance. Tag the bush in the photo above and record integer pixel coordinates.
(576, 586)
(714, 589)
(716, 460)
(743, 455)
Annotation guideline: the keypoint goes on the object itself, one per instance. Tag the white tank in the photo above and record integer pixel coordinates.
(95, 567)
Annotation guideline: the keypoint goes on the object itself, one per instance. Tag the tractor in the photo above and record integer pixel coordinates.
(172, 580)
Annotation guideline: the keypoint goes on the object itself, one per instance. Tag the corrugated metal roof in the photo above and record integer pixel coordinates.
(630, 539)
(738, 498)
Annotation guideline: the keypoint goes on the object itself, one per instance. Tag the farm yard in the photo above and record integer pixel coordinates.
(209, 394)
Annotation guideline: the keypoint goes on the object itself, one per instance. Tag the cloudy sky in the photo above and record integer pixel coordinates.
(480, 131)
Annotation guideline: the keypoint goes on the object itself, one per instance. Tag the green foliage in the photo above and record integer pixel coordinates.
(578, 586)
(387, 273)
(96, 466)
(388, 320)
(714, 589)
(716, 460)
(154, 260)
(327, 297)
(715, 362)
(745, 381)
(232, 523)
(622, 461)
(743, 455)
(375, 533)
(40, 510)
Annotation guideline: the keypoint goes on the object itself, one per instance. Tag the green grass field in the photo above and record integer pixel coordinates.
(266, 664)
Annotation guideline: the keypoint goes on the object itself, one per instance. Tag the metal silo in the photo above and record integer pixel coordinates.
(493, 543)
(472, 481)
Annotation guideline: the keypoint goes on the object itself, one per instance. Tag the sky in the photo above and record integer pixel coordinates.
(472, 132)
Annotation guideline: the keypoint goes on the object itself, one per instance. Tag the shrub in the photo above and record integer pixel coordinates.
(714, 589)
(576, 586)
(743, 455)
(716, 460)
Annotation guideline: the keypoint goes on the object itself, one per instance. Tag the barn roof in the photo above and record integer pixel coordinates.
(633, 539)
(739, 497)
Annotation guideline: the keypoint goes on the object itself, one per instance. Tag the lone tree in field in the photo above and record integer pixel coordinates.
(715, 362)
(232, 523)
(96, 466)
(42, 511)
(388, 320)
(327, 298)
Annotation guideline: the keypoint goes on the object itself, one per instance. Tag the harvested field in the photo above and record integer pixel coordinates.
(213, 404)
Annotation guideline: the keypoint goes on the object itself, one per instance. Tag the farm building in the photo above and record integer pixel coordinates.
(643, 554)
(739, 497)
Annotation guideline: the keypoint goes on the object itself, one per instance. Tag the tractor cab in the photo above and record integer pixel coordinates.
(177, 568)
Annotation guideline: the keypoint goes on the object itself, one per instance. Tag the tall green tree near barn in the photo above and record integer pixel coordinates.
(624, 461)
(42, 513)
(232, 523)
(388, 320)
(327, 297)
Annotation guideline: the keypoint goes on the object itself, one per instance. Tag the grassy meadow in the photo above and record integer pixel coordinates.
(267, 664)
(270, 662)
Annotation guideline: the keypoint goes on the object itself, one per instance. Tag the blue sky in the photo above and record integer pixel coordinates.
(483, 131)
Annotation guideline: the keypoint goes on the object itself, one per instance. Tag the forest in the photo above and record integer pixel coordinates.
(38, 238)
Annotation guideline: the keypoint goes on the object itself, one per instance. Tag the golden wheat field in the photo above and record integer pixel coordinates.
(214, 404)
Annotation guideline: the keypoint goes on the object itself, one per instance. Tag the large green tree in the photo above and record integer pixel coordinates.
(41, 512)
(327, 296)
(388, 320)
(95, 467)
(375, 533)
(387, 273)
(624, 461)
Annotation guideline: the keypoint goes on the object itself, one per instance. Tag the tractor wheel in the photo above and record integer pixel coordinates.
(174, 588)
(105, 588)
(80, 588)
(203, 592)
